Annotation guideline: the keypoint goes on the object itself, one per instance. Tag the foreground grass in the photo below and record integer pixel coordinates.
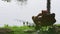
(18, 29)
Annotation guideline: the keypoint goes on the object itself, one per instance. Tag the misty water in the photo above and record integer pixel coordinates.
(12, 11)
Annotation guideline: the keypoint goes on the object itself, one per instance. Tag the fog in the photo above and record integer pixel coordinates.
(10, 11)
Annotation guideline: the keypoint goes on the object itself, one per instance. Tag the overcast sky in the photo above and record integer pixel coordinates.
(11, 11)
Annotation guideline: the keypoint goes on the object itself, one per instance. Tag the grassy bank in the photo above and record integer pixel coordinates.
(20, 29)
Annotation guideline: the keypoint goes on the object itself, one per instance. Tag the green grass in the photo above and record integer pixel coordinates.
(20, 29)
(57, 24)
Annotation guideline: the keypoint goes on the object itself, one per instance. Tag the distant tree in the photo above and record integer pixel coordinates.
(19, 1)
(24, 23)
(7, 0)
(22, 1)
(27, 23)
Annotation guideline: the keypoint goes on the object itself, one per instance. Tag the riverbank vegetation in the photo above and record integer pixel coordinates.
(20, 29)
